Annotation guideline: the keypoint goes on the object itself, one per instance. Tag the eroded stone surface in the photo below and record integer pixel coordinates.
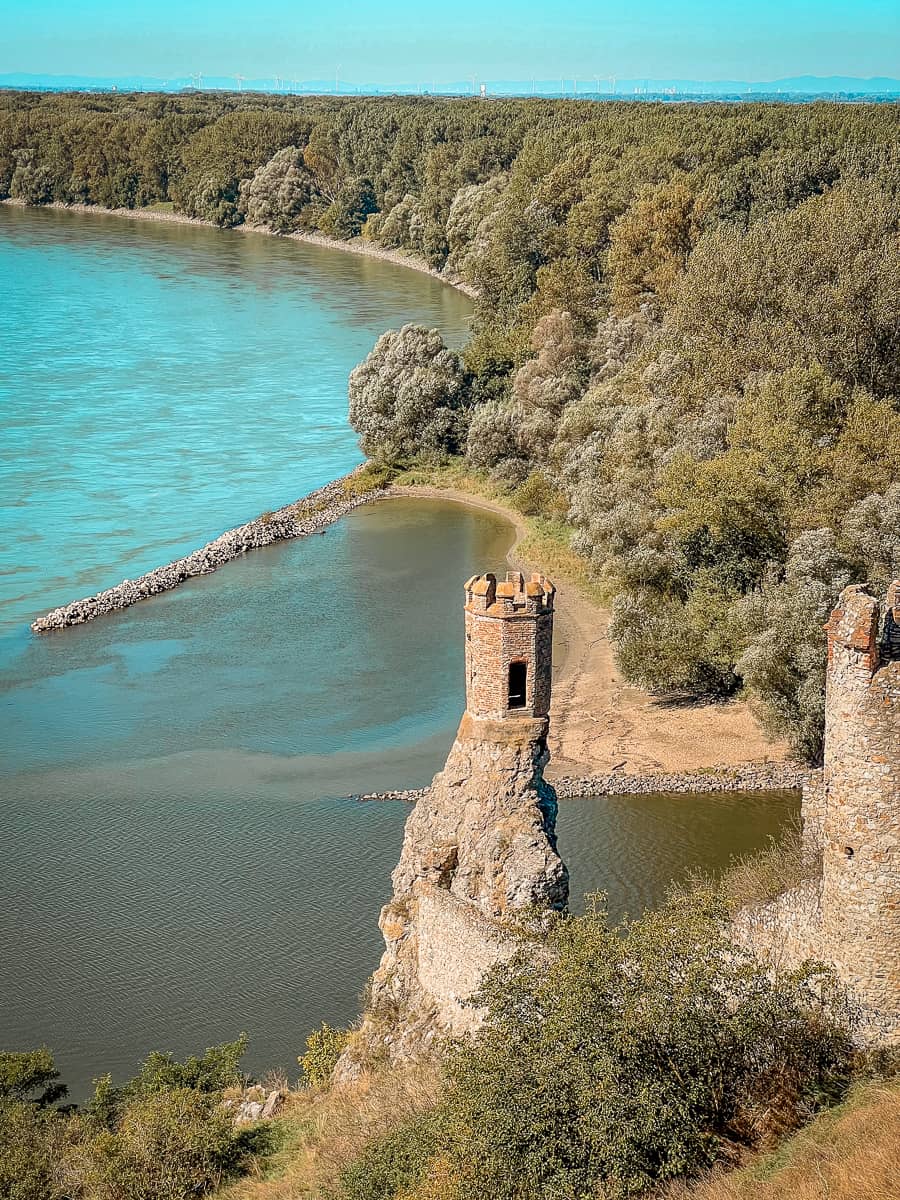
(479, 848)
(850, 916)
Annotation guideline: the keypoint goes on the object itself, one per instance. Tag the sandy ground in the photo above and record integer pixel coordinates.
(600, 723)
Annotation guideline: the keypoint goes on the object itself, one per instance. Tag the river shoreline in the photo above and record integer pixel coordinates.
(606, 737)
(754, 777)
(357, 245)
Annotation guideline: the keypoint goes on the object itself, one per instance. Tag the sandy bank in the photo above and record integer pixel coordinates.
(358, 245)
(602, 724)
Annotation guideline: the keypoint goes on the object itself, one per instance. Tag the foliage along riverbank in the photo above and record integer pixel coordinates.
(685, 345)
(512, 1114)
(164, 213)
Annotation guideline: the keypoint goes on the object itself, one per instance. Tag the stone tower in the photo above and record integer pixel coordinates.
(509, 647)
(861, 801)
(480, 845)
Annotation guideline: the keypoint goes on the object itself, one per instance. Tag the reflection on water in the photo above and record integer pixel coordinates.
(633, 847)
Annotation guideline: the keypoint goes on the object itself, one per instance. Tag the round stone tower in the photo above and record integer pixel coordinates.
(509, 647)
(861, 842)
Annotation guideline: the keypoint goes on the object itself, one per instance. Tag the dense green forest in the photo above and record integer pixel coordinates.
(686, 347)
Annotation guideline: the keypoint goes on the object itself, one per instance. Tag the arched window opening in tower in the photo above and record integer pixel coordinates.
(518, 675)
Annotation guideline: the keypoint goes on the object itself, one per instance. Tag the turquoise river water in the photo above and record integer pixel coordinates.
(177, 860)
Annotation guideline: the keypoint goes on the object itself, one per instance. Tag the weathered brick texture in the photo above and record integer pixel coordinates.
(861, 828)
(507, 623)
(850, 915)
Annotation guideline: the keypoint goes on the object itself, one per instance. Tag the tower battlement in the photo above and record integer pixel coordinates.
(514, 597)
(509, 646)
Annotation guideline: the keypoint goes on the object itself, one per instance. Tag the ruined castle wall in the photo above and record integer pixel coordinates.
(785, 931)
(812, 816)
(850, 916)
(457, 947)
(861, 852)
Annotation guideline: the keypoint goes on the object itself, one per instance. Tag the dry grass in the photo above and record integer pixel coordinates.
(759, 877)
(849, 1153)
(321, 1132)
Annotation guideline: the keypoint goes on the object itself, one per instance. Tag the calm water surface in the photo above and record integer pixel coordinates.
(160, 383)
(176, 859)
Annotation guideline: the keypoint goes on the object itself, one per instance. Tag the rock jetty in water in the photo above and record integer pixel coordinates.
(310, 515)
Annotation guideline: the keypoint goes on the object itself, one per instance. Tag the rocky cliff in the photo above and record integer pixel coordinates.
(479, 848)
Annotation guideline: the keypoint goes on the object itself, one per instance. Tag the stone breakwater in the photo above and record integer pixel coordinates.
(754, 777)
(311, 514)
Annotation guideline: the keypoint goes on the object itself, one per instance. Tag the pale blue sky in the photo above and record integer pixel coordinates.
(399, 40)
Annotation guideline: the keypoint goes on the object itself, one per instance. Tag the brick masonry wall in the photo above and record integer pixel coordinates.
(501, 633)
(850, 916)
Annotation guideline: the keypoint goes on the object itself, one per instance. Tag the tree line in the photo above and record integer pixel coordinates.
(685, 351)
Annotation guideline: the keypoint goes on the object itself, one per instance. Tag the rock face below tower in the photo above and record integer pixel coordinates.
(480, 846)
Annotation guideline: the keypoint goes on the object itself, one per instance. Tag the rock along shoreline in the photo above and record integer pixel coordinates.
(752, 777)
(311, 514)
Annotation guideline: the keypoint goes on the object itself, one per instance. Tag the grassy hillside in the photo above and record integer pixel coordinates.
(850, 1152)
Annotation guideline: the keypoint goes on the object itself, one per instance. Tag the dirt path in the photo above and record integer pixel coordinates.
(601, 723)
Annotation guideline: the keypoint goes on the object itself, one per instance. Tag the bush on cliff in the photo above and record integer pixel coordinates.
(324, 1047)
(164, 1135)
(639, 1055)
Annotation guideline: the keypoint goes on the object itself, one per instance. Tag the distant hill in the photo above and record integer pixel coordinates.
(797, 85)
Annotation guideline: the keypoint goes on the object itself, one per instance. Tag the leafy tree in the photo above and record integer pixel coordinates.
(783, 663)
(650, 244)
(354, 201)
(407, 396)
(172, 1144)
(626, 1058)
(31, 181)
(817, 284)
(32, 1133)
(22, 1074)
(278, 191)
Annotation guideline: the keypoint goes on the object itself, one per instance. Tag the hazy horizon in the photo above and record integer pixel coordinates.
(406, 46)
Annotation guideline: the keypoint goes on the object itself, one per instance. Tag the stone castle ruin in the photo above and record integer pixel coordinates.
(848, 915)
(480, 845)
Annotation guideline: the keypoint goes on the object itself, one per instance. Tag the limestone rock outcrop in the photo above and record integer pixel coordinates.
(479, 849)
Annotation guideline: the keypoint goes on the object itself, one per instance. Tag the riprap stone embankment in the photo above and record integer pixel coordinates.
(753, 777)
(311, 514)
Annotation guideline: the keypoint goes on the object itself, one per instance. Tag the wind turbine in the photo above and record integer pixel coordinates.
(337, 73)
(240, 79)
